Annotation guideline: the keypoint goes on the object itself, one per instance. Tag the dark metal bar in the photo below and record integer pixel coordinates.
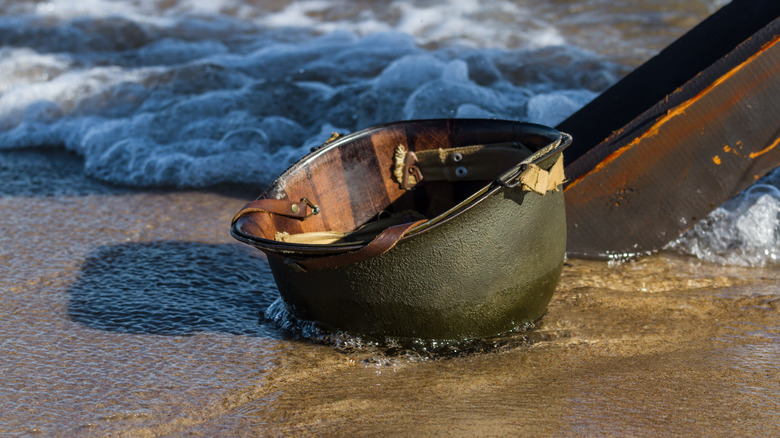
(652, 177)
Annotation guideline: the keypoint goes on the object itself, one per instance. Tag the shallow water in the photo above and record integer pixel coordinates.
(127, 309)
(133, 313)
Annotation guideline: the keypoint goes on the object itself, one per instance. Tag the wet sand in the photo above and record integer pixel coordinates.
(134, 313)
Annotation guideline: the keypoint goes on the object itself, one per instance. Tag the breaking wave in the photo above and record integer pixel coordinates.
(198, 113)
(744, 231)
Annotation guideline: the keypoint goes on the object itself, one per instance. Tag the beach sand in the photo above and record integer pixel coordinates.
(134, 313)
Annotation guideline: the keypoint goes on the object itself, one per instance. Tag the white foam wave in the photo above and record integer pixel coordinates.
(193, 113)
(469, 22)
(744, 231)
(553, 108)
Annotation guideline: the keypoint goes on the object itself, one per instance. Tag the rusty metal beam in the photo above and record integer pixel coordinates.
(669, 166)
(660, 76)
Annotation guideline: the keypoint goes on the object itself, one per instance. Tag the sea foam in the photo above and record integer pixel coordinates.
(165, 110)
(744, 231)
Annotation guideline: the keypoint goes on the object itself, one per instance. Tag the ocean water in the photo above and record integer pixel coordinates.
(128, 310)
(193, 93)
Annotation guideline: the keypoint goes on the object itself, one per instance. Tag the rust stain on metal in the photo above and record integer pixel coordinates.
(678, 111)
(765, 150)
(726, 112)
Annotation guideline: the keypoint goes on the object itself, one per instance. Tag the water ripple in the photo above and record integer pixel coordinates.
(173, 288)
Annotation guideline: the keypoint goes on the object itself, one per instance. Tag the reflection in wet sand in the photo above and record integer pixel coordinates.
(677, 360)
(135, 314)
(172, 288)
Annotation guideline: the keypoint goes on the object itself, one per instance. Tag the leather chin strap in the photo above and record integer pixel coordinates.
(283, 207)
(382, 243)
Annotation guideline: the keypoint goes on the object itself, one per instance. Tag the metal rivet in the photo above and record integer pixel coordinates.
(457, 156)
(461, 171)
(294, 208)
